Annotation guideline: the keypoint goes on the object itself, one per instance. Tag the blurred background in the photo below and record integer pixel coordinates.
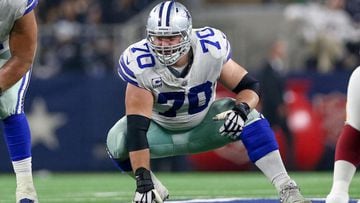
(302, 51)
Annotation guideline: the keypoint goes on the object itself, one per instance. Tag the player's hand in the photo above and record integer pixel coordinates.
(234, 120)
(151, 196)
(145, 192)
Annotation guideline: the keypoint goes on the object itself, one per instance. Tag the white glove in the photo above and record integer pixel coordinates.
(151, 196)
(234, 120)
(145, 191)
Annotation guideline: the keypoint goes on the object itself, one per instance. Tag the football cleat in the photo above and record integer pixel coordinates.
(25, 193)
(26, 200)
(337, 198)
(290, 193)
(160, 188)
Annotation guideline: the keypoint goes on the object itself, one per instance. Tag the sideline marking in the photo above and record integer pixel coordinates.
(245, 200)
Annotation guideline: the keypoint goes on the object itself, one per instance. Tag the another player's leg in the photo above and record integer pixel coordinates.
(262, 148)
(17, 136)
(347, 158)
(347, 155)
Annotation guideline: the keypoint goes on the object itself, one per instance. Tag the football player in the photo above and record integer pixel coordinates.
(347, 154)
(171, 108)
(18, 40)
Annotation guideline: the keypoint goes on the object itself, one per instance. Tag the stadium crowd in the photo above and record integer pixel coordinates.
(330, 33)
(71, 38)
(89, 11)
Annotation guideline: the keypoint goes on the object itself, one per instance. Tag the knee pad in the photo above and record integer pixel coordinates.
(17, 137)
(259, 139)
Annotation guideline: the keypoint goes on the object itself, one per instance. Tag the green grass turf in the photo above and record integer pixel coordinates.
(117, 187)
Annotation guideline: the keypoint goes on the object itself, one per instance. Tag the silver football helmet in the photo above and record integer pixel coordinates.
(167, 19)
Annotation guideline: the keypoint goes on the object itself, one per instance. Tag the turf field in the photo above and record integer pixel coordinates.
(117, 187)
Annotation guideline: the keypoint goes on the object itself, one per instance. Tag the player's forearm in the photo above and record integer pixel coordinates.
(248, 96)
(12, 71)
(140, 158)
(136, 141)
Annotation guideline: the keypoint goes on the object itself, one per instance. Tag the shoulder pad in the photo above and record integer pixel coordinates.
(134, 60)
(31, 4)
(21, 7)
(213, 41)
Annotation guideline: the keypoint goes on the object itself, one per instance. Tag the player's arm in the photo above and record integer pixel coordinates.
(139, 103)
(236, 78)
(22, 43)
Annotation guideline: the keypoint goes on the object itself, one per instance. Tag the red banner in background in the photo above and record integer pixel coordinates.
(306, 126)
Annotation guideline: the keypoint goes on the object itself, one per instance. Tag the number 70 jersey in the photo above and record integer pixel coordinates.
(179, 103)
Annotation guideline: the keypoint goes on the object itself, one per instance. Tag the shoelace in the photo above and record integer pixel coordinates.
(289, 190)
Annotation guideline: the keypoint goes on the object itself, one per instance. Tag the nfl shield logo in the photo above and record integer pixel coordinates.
(156, 82)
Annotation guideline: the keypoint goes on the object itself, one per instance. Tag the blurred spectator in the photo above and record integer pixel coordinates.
(75, 35)
(84, 11)
(353, 8)
(272, 81)
(326, 30)
(119, 11)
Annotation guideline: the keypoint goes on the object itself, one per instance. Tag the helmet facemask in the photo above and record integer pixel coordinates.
(169, 19)
(170, 54)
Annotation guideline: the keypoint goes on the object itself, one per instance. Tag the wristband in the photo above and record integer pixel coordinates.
(243, 109)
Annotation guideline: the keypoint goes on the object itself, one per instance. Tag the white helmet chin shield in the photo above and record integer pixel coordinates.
(167, 19)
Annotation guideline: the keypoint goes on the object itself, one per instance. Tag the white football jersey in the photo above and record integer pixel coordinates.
(353, 100)
(10, 11)
(179, 103)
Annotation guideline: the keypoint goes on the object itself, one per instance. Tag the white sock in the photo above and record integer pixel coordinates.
(273, 168)
(22, 169)
(343, 173)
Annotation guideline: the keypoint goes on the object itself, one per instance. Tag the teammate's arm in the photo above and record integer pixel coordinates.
(22, 43)
(139, 102)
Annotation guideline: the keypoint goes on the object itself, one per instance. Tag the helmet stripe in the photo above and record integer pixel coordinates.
(168, 13)
(160, 12)
(164, 14)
